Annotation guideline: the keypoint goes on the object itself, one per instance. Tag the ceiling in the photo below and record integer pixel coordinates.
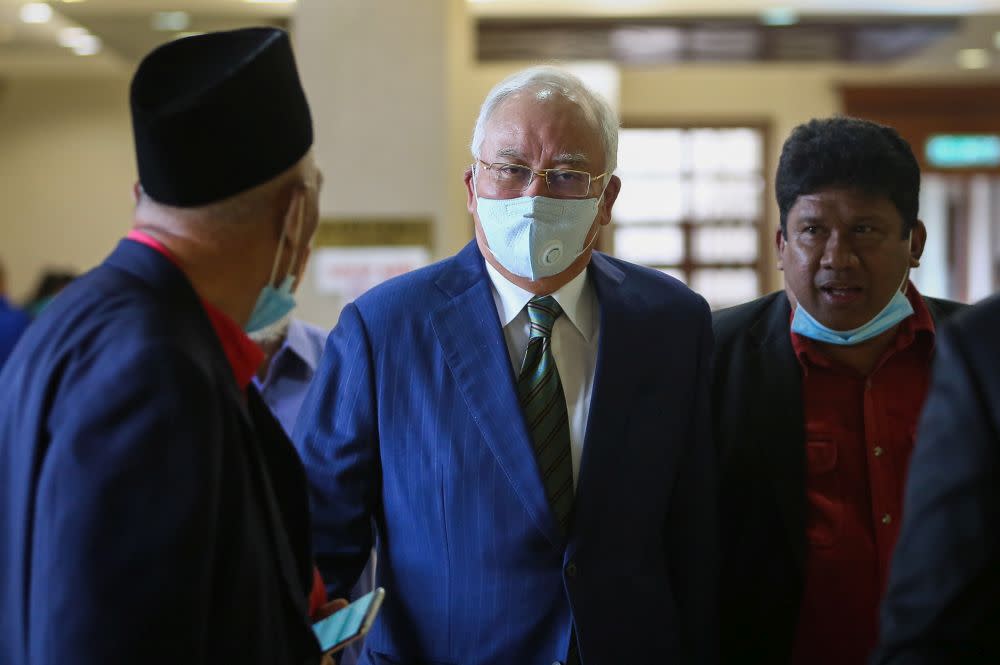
(126, 30)
(705, 8)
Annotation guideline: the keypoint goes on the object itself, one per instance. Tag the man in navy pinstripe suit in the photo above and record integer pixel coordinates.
(525, 424)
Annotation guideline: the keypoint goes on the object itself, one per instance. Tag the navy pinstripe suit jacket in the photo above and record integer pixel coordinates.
(413, 426)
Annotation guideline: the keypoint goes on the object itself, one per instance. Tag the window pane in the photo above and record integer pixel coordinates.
(709, 176)
(648, 199)
(729, 244)
(727, 199)
(650, 245)
(725, 287)
(737, 151)
(650, 151)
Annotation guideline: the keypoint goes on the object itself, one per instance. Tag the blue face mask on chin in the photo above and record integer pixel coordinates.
(898, 309)
(275, 303)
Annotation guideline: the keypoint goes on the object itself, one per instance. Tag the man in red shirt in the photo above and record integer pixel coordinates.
(816, 392)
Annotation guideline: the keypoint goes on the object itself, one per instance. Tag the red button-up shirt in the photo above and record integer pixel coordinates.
(245, 357)
(859, 435)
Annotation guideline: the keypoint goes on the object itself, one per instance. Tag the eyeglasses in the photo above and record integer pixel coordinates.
(561, 182)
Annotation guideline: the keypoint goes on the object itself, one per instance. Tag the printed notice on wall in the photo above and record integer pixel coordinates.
(350, 271)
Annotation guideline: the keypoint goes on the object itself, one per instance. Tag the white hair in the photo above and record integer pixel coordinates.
(569, 86)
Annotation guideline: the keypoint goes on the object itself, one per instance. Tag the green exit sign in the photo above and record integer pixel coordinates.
(963, 151)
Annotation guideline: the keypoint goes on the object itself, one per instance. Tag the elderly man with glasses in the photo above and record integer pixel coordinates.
(523, 428)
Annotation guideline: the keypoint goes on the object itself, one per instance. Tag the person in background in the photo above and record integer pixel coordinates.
(942, 606)
(49, 285)
(292, 350)
(526, 422)
(151, 508)
(13, 321)
(815, 395)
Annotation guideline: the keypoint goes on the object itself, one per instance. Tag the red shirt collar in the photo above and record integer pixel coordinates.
(809, 351)
(242, 352)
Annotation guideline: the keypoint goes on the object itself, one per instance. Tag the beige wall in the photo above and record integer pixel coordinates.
(66, 172)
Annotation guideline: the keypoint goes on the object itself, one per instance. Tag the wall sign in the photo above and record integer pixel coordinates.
(353, 255)
(963, 151)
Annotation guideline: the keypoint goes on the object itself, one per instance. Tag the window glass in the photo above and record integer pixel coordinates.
(692, 205)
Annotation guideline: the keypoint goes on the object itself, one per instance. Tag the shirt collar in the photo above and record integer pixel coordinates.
(575, 298)
(297, 342)
(920, 323)
(242, 352)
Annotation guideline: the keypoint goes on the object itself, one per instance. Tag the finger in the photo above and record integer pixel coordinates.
(329, 608)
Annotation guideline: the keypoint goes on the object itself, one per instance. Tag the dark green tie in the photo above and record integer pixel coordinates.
(544, 406)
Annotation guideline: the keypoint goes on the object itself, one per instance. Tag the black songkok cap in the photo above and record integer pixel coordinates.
(217, 114)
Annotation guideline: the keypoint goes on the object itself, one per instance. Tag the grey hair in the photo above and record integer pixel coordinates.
(594, 105)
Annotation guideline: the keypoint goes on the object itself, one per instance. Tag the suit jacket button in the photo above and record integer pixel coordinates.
(571, 570)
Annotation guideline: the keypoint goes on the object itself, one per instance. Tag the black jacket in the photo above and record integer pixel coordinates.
(942, 606)
(150, 512)
(759, 432)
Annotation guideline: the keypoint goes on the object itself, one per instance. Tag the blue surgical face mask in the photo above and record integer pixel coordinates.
(536, 236)
(275, 303)
(898, 309)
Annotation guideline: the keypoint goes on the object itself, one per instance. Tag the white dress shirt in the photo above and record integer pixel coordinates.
(574, 344)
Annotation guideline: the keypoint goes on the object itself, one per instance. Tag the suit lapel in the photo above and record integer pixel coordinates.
(468, 329)
(614, 380)
(775, 393)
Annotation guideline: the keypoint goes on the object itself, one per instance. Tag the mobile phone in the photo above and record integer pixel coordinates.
(348, 623)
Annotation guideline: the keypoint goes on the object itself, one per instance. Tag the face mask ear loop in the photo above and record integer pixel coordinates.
(299, 223)
(295, 251)
(277, 260)
(593, 240)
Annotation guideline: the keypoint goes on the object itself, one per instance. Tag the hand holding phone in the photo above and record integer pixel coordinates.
(350, 623)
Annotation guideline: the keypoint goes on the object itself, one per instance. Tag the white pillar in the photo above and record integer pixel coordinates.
(375, 73)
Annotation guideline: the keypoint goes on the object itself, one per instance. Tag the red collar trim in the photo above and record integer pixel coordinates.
(810, 352)
(244, 356)
(149, 241)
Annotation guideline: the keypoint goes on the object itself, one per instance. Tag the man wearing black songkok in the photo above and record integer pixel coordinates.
(151, 510)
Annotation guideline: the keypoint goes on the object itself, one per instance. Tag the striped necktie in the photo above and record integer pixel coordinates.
(544, 406)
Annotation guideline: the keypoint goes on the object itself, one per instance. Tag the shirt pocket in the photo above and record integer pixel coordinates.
(824, 495)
